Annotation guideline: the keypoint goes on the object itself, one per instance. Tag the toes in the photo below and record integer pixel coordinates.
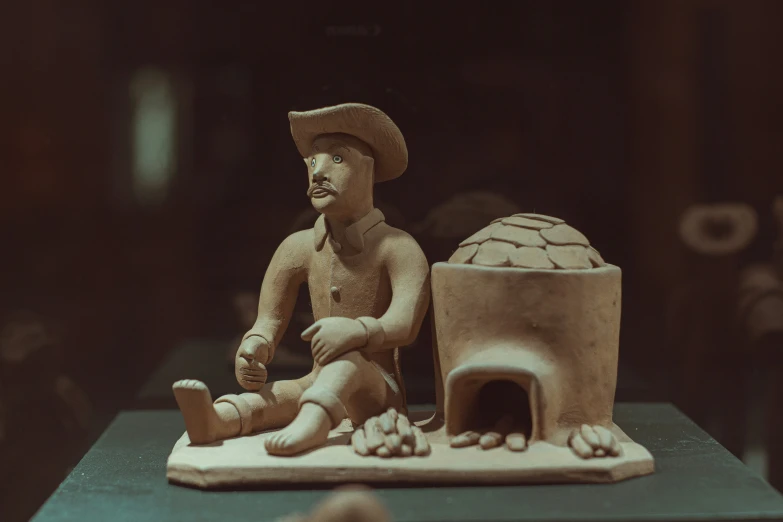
(275, 442)
(590, 436)
(580, 447)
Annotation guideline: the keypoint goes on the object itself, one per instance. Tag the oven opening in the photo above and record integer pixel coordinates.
(502, 401)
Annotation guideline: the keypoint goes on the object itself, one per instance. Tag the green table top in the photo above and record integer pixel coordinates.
(123, 478)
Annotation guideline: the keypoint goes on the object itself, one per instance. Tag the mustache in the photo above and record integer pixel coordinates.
(323, 185)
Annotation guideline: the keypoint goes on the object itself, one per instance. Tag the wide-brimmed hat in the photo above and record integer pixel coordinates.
(367, 123)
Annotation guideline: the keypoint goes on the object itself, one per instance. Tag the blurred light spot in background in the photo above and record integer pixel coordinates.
(154, 135)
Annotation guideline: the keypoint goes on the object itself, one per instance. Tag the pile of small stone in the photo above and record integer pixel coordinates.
(390, 434)
(504, 430)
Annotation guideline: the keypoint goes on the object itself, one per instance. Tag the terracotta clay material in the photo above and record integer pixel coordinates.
(526, 319)
(539, 361)
(528, 241)
(369, 288)
(243, 461)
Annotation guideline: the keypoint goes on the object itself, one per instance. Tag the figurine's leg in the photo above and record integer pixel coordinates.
(274, 406)
(348, 386)
(204, 422)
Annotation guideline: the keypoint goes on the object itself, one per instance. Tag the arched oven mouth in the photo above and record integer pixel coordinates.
(488, 401)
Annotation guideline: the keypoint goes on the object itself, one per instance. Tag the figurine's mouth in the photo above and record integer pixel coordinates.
(320, 193)
(321, 190)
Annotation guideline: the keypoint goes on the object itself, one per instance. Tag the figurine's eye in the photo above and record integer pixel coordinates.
(338, 159)
(312, 162)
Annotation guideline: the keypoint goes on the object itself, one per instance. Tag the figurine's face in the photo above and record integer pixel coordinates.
(340, 175)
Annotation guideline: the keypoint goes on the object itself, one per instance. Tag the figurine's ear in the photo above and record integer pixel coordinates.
(369, 162)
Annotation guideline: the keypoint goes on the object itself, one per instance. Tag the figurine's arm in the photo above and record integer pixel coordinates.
(286, 271)
(409, 273)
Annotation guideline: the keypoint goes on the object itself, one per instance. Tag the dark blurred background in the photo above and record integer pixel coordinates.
(148, 174)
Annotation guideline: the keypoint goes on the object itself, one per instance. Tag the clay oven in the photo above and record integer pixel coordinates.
(527, 323)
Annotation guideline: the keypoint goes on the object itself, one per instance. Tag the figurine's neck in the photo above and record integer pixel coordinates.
(339, 223)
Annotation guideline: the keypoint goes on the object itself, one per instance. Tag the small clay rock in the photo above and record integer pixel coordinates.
(491, 439)
(468, 438)
(388, 425)
(493, 253)
(595, 258)
(530, 257)
(569, 256)
(519, 221)
(373, 434)
(541, 217)
(463, 255)
(359, 443)
(482, 235)
(518, 236)
(405, 430)
(564, 235)
(393, 442)
(516, 442)
(422, 445)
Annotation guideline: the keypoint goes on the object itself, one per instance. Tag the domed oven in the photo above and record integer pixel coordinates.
(527, 323)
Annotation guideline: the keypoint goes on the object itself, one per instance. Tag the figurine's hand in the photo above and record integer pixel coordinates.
(248, 366)
(333, 336)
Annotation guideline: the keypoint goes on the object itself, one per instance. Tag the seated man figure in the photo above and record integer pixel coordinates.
(369, 287)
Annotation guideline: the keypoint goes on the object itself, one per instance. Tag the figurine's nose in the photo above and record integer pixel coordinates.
(318, 176)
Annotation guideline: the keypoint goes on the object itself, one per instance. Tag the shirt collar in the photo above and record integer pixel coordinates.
(354, 234)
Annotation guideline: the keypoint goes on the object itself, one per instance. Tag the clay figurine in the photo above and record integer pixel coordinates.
(526, 324)
(369, 288)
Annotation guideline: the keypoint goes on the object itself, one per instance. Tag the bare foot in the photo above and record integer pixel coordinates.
(195, 402)
(309, 429)
(594, 441)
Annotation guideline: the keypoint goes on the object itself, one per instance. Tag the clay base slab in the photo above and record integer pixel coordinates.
(243, 461)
